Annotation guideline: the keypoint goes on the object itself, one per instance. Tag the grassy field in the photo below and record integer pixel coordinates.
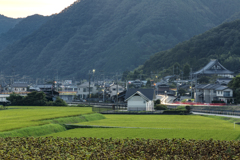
(20, 117)
(157, 126)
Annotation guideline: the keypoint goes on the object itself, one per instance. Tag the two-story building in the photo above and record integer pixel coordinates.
(83, 90)
(206, 93)
(19, 87)
(115, 89)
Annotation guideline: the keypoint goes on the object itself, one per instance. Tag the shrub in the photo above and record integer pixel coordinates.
(160, 107)
(181, 108)
(59, 102)
(158, 101)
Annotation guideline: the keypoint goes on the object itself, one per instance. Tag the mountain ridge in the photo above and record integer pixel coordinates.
(111, 36)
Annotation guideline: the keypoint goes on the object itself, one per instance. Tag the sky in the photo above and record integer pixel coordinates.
(24, 8)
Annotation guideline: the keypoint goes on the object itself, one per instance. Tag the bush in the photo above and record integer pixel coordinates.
(180, 108)
(218, 102)
(158, 101)
(160, 107)
(59, 102)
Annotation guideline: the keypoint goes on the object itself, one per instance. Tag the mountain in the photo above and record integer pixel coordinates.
(111, 35)
(24, 28)
(7, 23)
(222, 43)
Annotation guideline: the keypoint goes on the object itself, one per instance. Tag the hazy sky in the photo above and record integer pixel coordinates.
(24, 8)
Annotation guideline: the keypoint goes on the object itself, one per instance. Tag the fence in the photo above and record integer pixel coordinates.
(123, 110)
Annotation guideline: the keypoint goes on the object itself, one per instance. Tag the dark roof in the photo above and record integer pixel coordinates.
(208, 86)
(149, 93)
(19, 84)
(209, 69)
(222, 88)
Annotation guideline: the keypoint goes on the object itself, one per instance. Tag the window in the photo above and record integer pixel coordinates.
(114, 89)
(84, 90)
(226, 94)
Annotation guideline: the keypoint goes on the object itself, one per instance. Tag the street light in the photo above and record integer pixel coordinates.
(93, 74)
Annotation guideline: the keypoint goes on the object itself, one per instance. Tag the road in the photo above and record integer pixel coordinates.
(198, 113)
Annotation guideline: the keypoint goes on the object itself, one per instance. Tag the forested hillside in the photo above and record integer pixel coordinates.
(24, 28)
(222, 43)
(111, 35)
(7, 23)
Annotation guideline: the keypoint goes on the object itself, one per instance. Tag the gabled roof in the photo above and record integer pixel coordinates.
(148, 93)
(213, 67)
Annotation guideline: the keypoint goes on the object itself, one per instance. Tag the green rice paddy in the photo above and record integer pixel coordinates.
(157, 126)
(20, 117)
(45, 121)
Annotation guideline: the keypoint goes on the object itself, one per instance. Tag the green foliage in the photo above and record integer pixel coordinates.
(59, 102)
(234, 84)
(203, 80)
(94, 148)
(220, 43)
(182, 91)
(34, 99)
(22, 29)
(15, 99)
(20, 117)
(158, 101)
(148, 84)
(186, 71)
(160, 107)
(121, 35)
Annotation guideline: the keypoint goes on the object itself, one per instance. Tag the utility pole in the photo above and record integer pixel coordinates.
(89, 90)
(117, 88)
(191, 83)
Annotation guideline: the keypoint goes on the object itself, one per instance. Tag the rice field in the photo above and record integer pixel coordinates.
(157, 127)
(20, 117)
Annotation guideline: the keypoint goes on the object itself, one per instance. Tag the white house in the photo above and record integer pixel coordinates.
(83, 90)
(19, 87)
(114, 89)
(140, 99)
(224, 94)
(3, 97)
(206, 93)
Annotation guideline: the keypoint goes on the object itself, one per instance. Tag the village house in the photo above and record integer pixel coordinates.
(83, 90)
(19, 87)
(206, 93)
(140, 99)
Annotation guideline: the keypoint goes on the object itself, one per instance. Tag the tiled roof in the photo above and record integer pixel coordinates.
(19, 85)
(149, 93)
(207, 69)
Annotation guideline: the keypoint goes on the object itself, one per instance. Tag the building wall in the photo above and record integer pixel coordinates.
(3, 98)
(136, 103)
(83, 91)
(113, 90)
(196, 95)
(209, 95)
(221, 93)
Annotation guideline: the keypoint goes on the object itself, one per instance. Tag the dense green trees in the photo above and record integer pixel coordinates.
(220, 43)
(24, 28)
(34, 99)
(113, 35)
(234, 84)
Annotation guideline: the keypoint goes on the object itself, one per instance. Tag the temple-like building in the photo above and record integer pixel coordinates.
(214, 68)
